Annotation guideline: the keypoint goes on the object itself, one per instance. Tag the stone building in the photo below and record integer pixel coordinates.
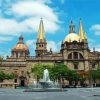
(74, 53)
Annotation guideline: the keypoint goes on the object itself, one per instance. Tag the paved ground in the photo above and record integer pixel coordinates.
(71, 94)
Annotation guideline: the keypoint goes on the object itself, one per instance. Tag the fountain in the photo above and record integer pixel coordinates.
(45, 84)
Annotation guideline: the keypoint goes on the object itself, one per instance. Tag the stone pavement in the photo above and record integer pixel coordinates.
(71, 94)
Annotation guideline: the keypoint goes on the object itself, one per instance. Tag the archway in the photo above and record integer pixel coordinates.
(22, 81)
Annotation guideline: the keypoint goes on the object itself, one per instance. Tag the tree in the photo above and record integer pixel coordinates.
(4, 76)
(10, 76)
(59, 71)
(38, 69)
(56, 72)
(95, 74)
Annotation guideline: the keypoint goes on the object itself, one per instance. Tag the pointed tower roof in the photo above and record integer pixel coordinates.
(41, 32)
(82, 32)
(71, 27)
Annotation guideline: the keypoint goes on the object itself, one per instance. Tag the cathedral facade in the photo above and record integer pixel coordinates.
(74, 53)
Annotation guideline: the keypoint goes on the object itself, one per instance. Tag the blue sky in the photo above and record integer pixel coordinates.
(22, 17)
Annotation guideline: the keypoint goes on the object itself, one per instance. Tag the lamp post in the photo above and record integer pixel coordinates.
(90, 73)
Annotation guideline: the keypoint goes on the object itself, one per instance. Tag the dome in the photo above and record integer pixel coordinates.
(20, 47)
(72, 37)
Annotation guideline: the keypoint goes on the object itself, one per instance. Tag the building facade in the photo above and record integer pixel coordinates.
(74, 53)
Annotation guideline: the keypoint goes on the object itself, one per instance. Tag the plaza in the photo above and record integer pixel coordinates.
(70, 94)
(69, 54)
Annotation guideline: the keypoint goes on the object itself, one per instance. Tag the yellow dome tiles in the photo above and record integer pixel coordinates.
(81, 32)
(41, 32)
(72, 37)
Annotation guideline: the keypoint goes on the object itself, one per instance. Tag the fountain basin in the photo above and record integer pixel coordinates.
(45, 90)
(45, 85)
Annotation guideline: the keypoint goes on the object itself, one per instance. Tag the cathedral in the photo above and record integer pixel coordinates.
(74, 53)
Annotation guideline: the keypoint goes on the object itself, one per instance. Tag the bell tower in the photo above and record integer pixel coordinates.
(41, 41)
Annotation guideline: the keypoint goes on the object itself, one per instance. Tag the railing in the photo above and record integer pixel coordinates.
(8, 85)
(45, 58)
(13, 64)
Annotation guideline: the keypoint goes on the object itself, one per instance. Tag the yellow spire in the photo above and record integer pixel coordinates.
(41, 33)
(81, 32)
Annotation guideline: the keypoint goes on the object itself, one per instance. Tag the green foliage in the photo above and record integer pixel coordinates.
(96, 74)
(4, 76)
(38, 69)
(56, 71)
(9, 76)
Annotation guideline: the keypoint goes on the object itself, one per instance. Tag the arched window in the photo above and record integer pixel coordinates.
(75, 55)
(70, 56)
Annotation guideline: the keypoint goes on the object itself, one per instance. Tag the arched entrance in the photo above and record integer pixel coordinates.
(22, 81)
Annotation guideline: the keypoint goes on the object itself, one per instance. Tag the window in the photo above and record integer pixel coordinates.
(93, 65)
(70, 56)
(39, 45)
(38, 54)
(75, 55)
(16, 54)
(15, 80)
(80, 55)
(75, 65)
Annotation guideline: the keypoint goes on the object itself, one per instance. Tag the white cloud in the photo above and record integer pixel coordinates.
(62, 1)
(11, 27)
(5, 39)
(30, 43)
(33, 23)
(42, 1)
(34, 10)
(96, 49)
(38, 9)
(8, 26)
(50, 44)
(55, 46)
(96, 29)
